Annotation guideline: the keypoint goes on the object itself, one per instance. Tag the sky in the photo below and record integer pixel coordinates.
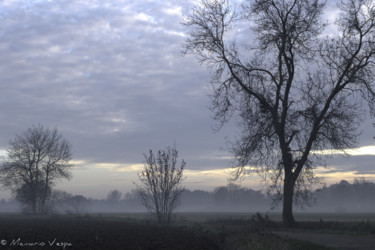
(111, 77)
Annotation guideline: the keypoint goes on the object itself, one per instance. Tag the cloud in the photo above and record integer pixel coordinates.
(358, 164)
(109, 75)
(364, 150)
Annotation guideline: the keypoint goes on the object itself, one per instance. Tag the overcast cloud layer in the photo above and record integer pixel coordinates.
(111, 77)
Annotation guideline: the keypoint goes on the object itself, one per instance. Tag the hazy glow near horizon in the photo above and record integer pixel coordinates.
(365, 150)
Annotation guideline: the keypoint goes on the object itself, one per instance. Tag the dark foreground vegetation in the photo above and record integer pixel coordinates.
(189, 231)
(96, 232)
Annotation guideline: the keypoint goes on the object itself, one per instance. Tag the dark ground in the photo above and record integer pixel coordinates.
(332, 240)
(123, 231)
(89, 232)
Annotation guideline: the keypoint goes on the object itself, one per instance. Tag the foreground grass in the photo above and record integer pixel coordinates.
(138, 231)
(87, 232)
(254, 232)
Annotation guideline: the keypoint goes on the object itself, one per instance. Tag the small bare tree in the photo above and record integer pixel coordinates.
(161, 179)
(36, 159)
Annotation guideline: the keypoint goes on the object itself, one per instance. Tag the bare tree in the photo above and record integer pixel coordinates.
(233, 191)
(78, 204)
(221, 195)
(114, 196)
(161, 179)
(35, 160)
(293, 91)
(60, 201)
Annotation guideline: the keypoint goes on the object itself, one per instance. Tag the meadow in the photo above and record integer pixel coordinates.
(189, 231)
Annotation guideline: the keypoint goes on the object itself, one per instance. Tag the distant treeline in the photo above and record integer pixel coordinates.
(345, 197)
(341, 197)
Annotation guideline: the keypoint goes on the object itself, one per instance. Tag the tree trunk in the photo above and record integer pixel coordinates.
(288, 218)
(44, 194)
(33, 199)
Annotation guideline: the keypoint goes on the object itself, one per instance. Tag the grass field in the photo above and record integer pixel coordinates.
(189, 231)
(338, 217)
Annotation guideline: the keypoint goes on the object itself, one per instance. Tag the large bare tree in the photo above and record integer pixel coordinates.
(293, 90)
(35, 160)
(161, 183)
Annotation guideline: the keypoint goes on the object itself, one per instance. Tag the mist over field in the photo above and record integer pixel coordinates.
(343, 197)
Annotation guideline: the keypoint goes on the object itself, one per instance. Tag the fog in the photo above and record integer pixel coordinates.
(343, 197)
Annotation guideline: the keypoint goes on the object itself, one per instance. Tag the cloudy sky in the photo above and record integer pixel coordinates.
(111, 77)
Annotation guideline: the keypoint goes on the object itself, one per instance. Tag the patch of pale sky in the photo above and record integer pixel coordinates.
(369, 9)
(176, 10)
(214, 156)
(175, 33)
(144, 17)
(54, 49)
(119, 167)
(365, 150)
(335, 177)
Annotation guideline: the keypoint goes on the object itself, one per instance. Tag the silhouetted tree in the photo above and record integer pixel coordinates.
(114, 196)
(221, 195)
(28, 193)
(161, 183)
(35, 160)
(197, 200)
(294, 91)
(132, 195)
(234, 191)
(78, 204)
(346, 197)
(60, 201)
(133, 200)
(233, 196)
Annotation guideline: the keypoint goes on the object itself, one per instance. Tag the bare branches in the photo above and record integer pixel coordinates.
(161, 179)
(35, 160)
(296, 92)
(212, 20)
(290, 25)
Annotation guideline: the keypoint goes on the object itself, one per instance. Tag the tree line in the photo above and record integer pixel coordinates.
(341, 197)
(40, 156)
